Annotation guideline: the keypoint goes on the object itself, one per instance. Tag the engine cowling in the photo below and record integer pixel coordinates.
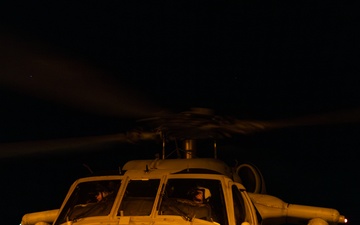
(250, 176)
(273, 210)
(43, 217)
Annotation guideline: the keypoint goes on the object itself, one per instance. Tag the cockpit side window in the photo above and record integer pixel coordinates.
(194, 198)
(139, 197)
(239, 206)
(93, 198)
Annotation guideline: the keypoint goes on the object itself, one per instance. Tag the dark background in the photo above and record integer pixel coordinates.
(253, 61)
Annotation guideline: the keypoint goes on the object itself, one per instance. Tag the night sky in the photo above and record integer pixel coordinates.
(79, 69)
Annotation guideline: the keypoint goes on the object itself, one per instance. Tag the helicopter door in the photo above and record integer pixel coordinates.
(239, 207)
(243, 212)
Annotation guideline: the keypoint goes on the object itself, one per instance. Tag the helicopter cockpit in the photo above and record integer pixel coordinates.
(157, 196)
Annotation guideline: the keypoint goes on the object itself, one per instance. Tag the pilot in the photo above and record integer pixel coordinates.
(100, 195)
(195, 205)
(201, 195)
(201, 208)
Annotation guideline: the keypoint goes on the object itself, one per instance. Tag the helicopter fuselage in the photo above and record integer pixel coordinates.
(162, 191)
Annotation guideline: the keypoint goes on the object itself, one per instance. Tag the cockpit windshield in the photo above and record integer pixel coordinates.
(93, 198)
(139, 197)
(190, 198)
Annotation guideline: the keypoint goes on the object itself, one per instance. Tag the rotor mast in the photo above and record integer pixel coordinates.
(189, 148)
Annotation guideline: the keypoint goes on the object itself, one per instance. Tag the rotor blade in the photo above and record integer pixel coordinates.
(200, 123)
(333, 118)
(28, 68)
(72, 144)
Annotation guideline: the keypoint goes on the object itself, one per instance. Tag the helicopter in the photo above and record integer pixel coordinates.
(160, 190)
